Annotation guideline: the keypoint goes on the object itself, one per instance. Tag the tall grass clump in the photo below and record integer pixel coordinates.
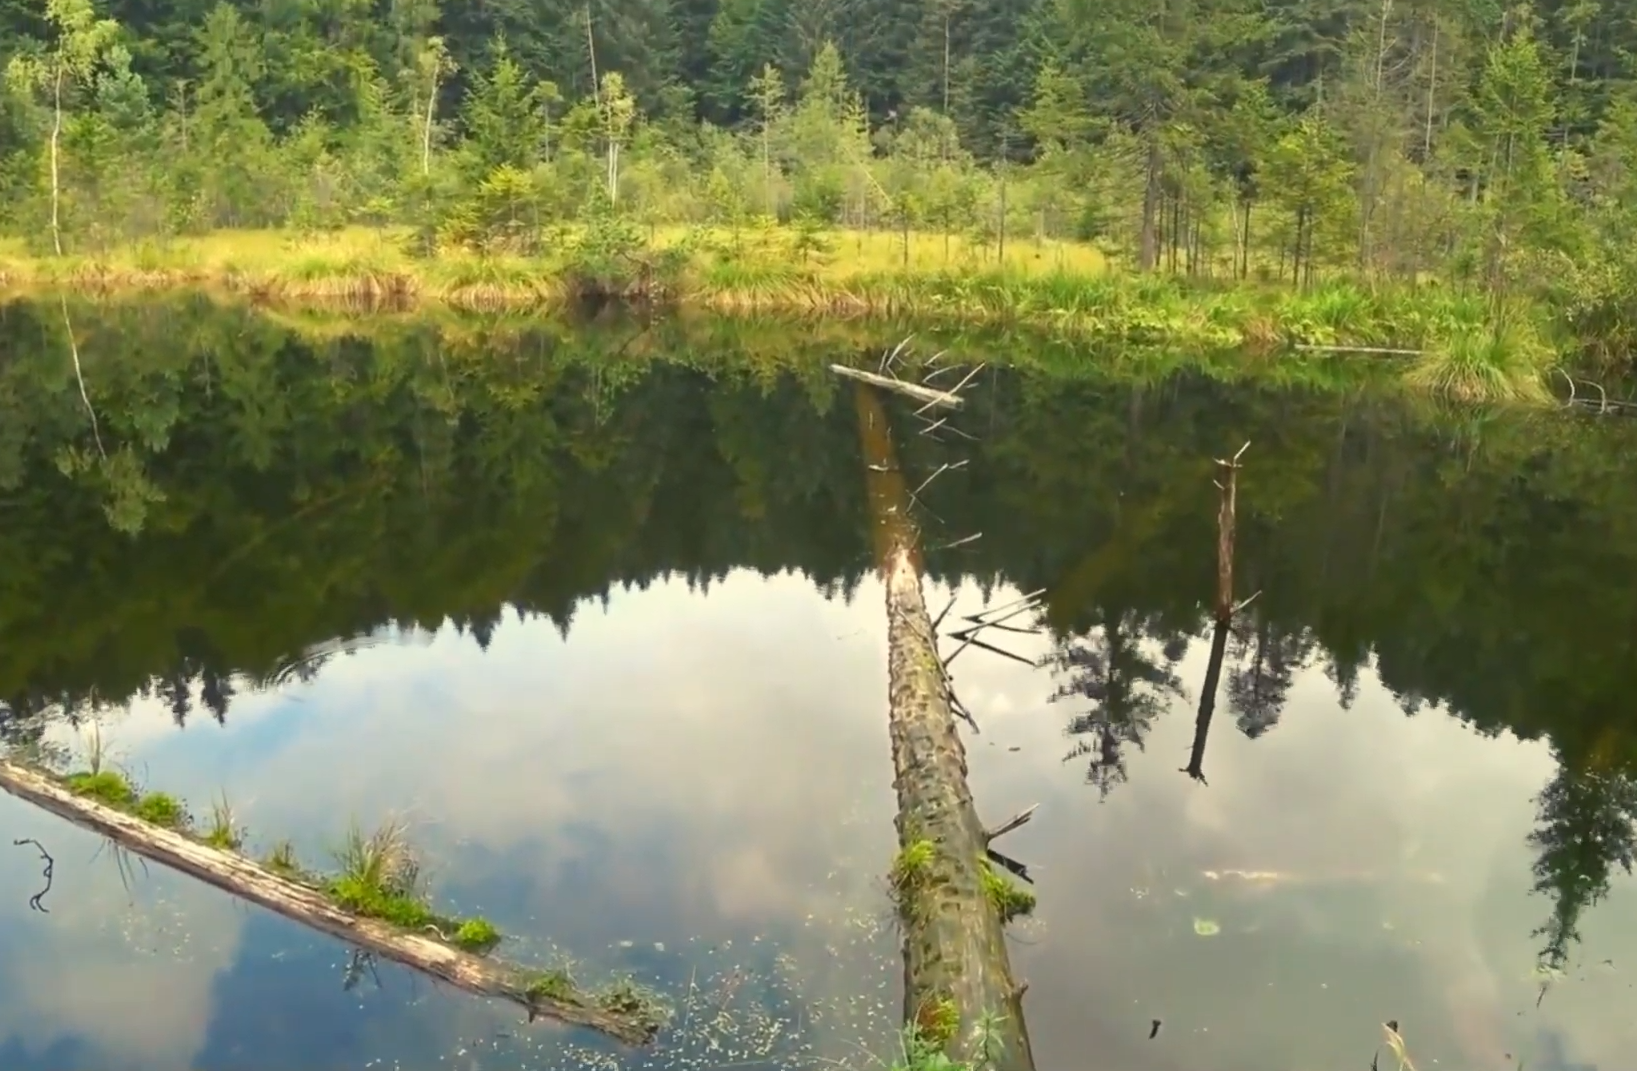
(359, 278)
(746, 284)
(380, 876)
(490, 283)
(223, 833)
(1484, 362)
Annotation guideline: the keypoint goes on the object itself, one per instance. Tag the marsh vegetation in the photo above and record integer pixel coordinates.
(1452, 179)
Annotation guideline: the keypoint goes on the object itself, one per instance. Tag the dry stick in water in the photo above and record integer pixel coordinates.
(50, 865)
(912, 390)
(245, 878)
(1228, 487)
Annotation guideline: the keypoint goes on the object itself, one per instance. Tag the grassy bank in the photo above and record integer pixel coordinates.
(1450, 341)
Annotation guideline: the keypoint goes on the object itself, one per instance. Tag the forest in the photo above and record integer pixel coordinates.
(1450, 145)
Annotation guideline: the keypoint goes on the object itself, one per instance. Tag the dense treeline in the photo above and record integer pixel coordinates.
(1462, 140)
(250, 492)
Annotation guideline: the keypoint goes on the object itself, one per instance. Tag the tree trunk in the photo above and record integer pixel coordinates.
(426, 134)
(1000, 249)
(1227, 507)
(302, 903)
(1207, 702)
(56, 136)
(1148, 242)
(955, 958)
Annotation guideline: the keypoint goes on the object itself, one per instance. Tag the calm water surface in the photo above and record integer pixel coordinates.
(594, 609)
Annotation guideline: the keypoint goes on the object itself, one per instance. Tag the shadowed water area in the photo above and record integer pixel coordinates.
(596, 609)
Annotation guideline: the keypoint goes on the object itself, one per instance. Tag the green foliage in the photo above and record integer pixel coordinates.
(476, 935)
(910, 867)
(553, 985)
(1385, 145)
(502, 215)
(1009, 899)
(1481, 362)
(937, 1021)
(105, 786)
(161, 809)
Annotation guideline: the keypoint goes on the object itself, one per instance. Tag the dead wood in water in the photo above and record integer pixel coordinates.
(302, 903)
(1227, 506)
(959, 992)
(925, 395)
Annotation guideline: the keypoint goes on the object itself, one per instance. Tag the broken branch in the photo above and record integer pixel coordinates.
(911, 390)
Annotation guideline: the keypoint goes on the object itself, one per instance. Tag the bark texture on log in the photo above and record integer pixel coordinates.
(294, 900)
(955, 955)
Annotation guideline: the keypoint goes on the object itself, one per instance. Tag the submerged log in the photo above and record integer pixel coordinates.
(958, 985)
(302, 903)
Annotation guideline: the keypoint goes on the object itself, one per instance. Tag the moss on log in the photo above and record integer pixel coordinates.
(540, 994)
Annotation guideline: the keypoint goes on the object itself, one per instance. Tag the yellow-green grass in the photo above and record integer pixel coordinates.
(1066, 290)
(359, 264)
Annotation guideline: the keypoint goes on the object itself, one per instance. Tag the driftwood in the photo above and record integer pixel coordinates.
(301, 903)
(955, 956)
(925, 395)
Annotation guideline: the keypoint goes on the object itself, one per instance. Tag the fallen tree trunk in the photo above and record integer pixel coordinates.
(925, 395)
(302, 903)
(958, 988)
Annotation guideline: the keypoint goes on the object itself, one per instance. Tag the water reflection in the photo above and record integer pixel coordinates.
(606, 626)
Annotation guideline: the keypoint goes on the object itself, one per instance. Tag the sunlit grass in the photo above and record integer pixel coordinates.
(1066, 291)
(1483, 362)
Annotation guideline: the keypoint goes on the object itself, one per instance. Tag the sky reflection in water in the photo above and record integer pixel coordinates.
(724, 794)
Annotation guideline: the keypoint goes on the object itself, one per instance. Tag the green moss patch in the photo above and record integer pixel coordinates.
(161, 809)
(477, 935)
(551, 985)
(911, 866)
(1011, 900)
(104, 786)
(936, 1021)
(379, 874)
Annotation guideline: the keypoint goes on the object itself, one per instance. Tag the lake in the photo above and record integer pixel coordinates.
(594, 609)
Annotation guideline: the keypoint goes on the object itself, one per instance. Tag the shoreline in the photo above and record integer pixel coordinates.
(1441, 339)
